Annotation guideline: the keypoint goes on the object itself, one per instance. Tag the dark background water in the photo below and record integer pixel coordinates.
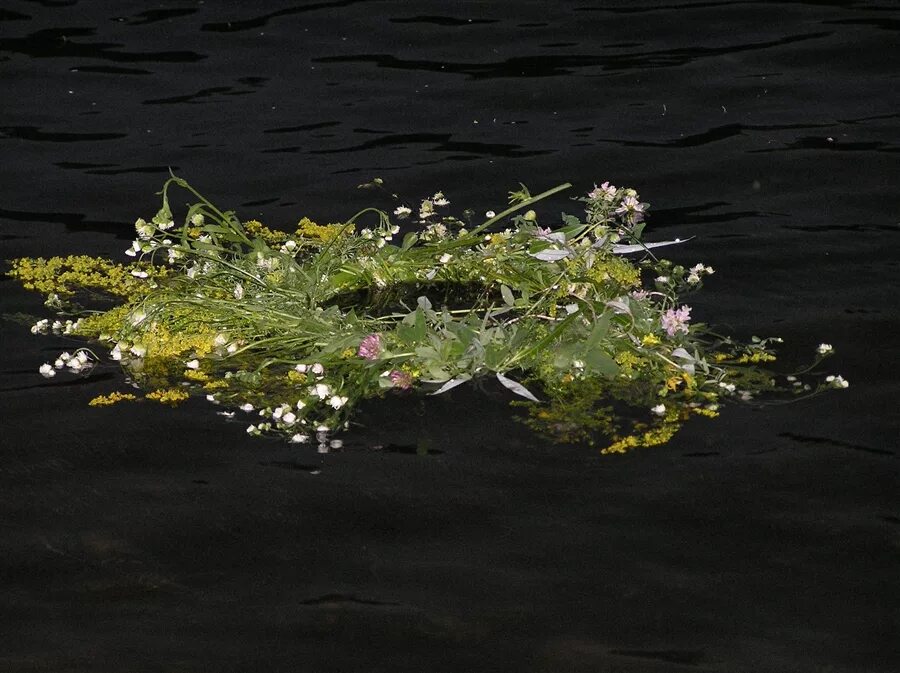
(135, 539)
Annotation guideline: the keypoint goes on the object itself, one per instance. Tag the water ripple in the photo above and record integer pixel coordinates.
(546, 65)
(260, 21)
(441, 143)
(36, 134)
(57, 43)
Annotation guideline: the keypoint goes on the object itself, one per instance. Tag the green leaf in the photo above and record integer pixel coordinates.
(507, 295)
(599, 362)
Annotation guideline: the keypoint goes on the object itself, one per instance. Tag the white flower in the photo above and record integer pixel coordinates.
(300, 368)
(232, 347)
(197, 219)
(47, 370)
(192, 364)
(837, 381)
(139, 274)
(659, 409)
(336, 444)
(439, 199)
(730, 387)
(426, 210)
(402, 212)
(116, 352)
(212, 398)
(693, 279)
(322, 428)
(299, 439)
(138, 317)
(662, 279)
(238, 291)
(300, 404)
(246, 407)
(40, 326)
(317, 369)
(446, 257)
(252, 430)
(57, 325)
(220, 340)
(489, 214)
(337, 401)
(289, 418)
(138, 350)
(277, 413)
(824, 348)
(320, 390)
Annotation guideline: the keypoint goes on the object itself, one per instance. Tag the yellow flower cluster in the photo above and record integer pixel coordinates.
(66, 275)
(324, 233)
(651, 437)
(112, 398)
(256, 229)
(171, 396)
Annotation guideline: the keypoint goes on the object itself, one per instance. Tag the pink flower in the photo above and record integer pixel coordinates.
(631, 207)
(400, 379)
(676, 320)
(370, 347)
(606, 191)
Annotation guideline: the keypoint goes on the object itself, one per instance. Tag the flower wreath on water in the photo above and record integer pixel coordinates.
(582, 321)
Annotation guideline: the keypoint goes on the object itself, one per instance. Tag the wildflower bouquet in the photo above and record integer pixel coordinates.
(299, 327)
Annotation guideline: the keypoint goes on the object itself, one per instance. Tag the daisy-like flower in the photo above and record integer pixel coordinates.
(822, 349)
(401, 379)
(446, 257)
(47, 370)
(659, 409)
(317, 369)
(337, 401)
(289, 418)
(246, 407)
(300, 404)
(192, 364)
(403, 212)
(40, 327)
(489, 214)
(676, 320)
(139, 274)
(639, 294)
(138, 350)
(370, 347)
(439, 199)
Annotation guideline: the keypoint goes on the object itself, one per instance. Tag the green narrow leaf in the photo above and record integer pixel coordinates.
(507, 295)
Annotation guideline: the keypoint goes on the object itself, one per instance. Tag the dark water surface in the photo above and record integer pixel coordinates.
(140, 540)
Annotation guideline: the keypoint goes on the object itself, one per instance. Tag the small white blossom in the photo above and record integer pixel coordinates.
(47, 370)
(192, 364)
(336, 444)
(238, 291)
(659, 409)
(246, 407)
(446, 257)
(837, 381)
(320, 390)
(300, 404)
(212, 398)
(822, 349)
(299, 439)
(289, 418)
(317, 369)
(197, 219)
(139, 274)
(402, 212)
(489, 214)
(40, 327)
(337, 401)
(439, 199)
(138, 350)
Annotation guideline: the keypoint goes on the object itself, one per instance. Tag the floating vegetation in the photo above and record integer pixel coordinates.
(299, 326)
